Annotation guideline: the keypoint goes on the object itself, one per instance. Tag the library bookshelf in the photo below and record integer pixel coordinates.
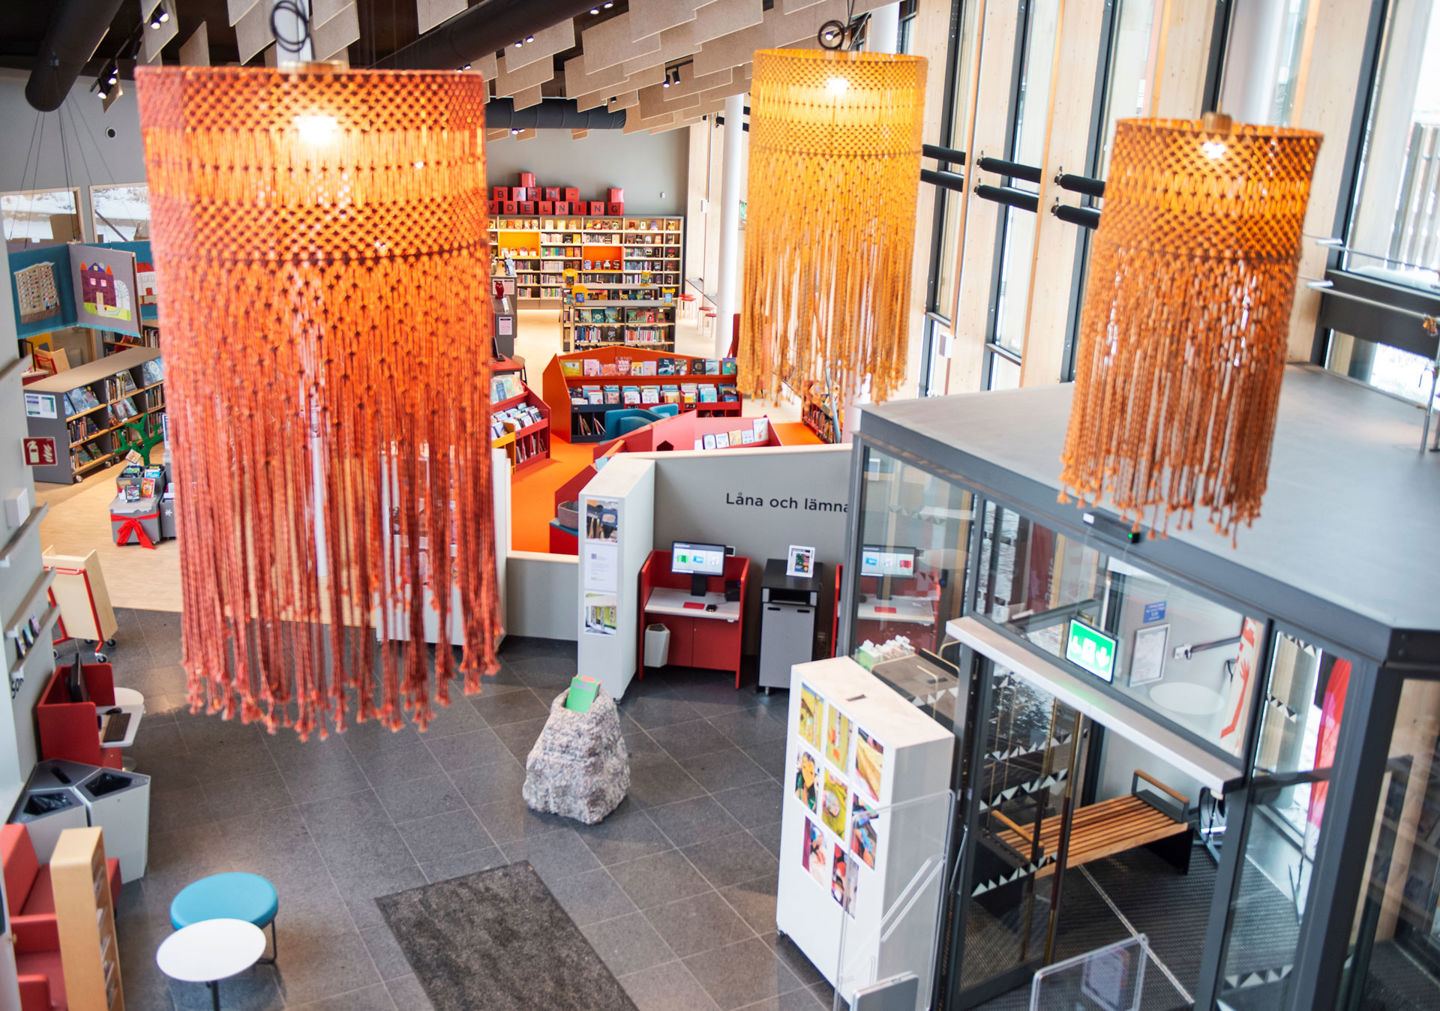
(92, 411)
(513, 428)
(627, 257)
(817, 410)
(571, 391)
(85, 921)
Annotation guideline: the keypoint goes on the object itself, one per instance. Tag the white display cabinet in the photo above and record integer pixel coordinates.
(856, 755)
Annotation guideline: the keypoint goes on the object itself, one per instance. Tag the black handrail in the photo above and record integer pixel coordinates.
(1085, 217)
(946, 155)
(1081, 184)
(945, 180)
(1012, 169)
(1009, 196)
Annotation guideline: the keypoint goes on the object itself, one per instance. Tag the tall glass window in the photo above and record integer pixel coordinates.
(121, 213)
(1395, 222)
(41, 217)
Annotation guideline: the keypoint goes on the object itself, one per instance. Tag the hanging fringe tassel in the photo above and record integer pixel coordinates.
(323, 263)
(830, 230)
(1186, 318)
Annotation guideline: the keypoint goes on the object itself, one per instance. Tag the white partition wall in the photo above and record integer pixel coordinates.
(617, 530)
(854, 750)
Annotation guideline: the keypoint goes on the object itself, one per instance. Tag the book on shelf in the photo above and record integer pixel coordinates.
(622, 365)
(727, 367)
(153, 371)
(722, 440)
(729, 395)
(570, 367)
(688, 393)
(670, 394)
(649, 395)
(591, 366)
(708, 394)
(708, 442)
(612, 394)
(594, 395)
(609, 369)
(630, 396)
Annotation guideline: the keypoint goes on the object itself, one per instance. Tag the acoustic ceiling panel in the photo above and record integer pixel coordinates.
(332, 37)
(523, 135)
(529, 97)
(675, 43)
(591, 100)
(725, 17)
(195, 51)
(252, 31)
(496, 133)
(509, 82)
(548, 41)
(609, 43)
(237, 9)
(777, 30)
(579, 134)
(488, 66)
(578, 81)
(430, 13)
(651, 16)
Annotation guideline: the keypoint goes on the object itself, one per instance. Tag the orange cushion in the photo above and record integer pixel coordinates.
(18, 857)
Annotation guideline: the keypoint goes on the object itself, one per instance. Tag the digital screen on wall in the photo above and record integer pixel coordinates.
(1091, 649)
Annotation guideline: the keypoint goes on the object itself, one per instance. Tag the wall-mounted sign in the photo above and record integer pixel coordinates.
(39, 452)
(39, 405)
(1155, 612)
(1091, 649)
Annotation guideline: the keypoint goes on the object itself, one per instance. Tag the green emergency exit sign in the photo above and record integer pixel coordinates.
(1091, 649)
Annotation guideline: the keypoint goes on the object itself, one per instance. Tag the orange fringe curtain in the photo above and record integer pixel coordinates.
(1187, 310)
(323, 264)
(830, 232)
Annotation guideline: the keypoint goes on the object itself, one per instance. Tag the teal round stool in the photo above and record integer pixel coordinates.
(233, 896)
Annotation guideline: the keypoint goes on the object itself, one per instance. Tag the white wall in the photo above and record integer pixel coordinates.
(76, 132)
(651, 169)
(538, 591)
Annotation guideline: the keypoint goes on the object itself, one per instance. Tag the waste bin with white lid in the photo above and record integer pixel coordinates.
(119, 804)
(657, 645)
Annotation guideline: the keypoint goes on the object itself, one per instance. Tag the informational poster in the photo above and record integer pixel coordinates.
(40, 405)
(600, 614)
(602, 520)
(107, 291)
(835, 801)
(869, 762)
(602, 566)
(810, 707)
(837, 738)
(807, 786)
(1147, 659)
(813, 858)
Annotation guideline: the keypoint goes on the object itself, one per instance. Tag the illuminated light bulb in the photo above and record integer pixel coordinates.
(1212, 149)
(529, 38)
(316, 129)
(519, 43)
(837, 85)
(594, 10)
(103, 92)
(513, 131)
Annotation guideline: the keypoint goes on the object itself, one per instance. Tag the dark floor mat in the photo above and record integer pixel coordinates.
(498, 940)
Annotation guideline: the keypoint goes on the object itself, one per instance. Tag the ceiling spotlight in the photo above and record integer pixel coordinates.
(103, 92)
(114, 75)
(594, 10)
(514, 131)
(529, 38)
(519, 43)
(466, 67)
(159, 18)
(609, 4)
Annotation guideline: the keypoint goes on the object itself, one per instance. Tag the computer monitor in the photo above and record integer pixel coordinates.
(886, 564)
(75, 685)
(697, 561)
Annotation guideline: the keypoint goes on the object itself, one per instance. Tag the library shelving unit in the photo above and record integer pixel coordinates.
(817, 411)
(572, 392)
(90, 411)
(85, 921)
(632, 257)
(149, 338)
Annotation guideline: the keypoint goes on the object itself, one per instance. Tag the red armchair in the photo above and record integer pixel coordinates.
(70, 729)
(32, 920)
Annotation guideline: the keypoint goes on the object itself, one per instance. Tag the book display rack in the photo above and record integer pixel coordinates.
(85, 921)
(581, 386)
(95, 412)
(820, 413)
(519, 421)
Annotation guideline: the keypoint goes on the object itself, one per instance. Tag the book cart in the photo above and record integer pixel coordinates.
(96, 412)
(581, 386)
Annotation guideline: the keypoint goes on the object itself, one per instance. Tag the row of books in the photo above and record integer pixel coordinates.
(665, 295)
(88, 427)
(599, 223)
(648, 277)
(527, 447)
(623, 366)
(119, 385)
(153, 372)
(617, 335)
(505, 385)
(687, 393)
(79, 400)
(86, 454)
(513, 419)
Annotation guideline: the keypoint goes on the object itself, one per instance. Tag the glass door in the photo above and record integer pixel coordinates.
(1021, 796)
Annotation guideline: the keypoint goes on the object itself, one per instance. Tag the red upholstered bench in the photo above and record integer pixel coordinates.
(32, 905)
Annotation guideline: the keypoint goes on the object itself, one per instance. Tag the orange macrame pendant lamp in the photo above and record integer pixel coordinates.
(830, 220)
(320, 241)
(1183, 334)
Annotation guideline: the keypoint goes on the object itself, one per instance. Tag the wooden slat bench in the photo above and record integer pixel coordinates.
(1107, 828)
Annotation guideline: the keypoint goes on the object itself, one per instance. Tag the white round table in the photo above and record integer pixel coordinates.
(209, 951)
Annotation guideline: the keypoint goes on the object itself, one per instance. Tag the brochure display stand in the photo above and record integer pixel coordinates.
(856, 753)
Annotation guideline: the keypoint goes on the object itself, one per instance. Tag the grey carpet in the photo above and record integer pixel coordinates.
(498, 940)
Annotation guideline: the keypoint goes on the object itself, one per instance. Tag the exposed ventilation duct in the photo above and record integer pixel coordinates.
(76, 28)
(551, 114)
(483, 29)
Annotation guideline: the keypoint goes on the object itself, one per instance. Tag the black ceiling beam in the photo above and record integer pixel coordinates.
(76, 28)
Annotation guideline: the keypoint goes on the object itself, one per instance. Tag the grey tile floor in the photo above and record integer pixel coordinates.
(676, 889)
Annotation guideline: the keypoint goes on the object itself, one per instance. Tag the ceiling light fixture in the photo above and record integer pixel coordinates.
(1177, 379)
(346, 293)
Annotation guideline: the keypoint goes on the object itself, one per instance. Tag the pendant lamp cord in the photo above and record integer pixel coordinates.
(300, 11)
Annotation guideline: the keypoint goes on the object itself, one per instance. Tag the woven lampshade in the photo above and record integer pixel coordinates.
(1183, 333)
(830, 220)
(320, 243)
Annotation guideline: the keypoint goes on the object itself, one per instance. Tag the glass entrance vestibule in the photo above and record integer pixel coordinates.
(1225, 751)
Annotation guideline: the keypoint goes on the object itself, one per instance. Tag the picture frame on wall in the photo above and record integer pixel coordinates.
(1147, 659)
(800, 561)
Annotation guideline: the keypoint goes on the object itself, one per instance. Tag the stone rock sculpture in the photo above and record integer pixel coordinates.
(579, 767)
